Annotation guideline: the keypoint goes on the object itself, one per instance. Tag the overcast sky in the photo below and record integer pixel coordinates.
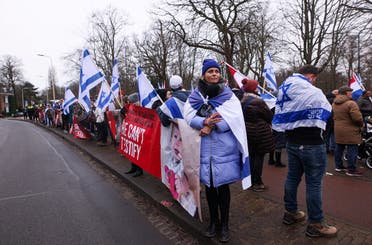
(54, 28)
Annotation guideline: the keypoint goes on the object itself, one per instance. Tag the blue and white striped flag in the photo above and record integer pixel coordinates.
(69, 100)
(269, 75)
(90, 77)
(147, 93)
(104, 96)
(115, 81)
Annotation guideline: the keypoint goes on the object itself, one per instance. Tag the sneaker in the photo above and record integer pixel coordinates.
(258, 187)
(342, 169)
(321, 230)
(354, 173)
(292, 218)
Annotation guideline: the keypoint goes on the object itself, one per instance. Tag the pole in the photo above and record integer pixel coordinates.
(52, 77)
(359, 53)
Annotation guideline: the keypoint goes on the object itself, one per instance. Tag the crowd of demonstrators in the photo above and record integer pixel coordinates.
(257, 117)
(348, 122)
(305, 147)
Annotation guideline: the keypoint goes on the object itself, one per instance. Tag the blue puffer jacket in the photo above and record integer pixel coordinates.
(219, 154)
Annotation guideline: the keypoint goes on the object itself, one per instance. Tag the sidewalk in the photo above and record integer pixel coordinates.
(255, 218)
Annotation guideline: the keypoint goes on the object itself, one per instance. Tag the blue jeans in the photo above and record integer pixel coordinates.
(351, 153)
(311, 160)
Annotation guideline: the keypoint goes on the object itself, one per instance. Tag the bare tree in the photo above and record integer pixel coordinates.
(317, 27)
(11, 74)
(208, 24)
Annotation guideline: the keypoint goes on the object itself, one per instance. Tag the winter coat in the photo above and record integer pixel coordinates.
(348, 120)
(220, 158)
(365, 106)
(258, 117)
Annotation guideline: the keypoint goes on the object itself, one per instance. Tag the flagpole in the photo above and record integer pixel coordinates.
(246, 77)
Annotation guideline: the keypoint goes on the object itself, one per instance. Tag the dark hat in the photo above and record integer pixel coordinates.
(209, 63)
(344, 89)
(249, 85)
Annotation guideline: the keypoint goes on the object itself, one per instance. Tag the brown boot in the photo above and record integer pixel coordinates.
(292, 218)
(321, 230)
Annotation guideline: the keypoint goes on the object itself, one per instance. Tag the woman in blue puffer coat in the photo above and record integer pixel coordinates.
(220, 157)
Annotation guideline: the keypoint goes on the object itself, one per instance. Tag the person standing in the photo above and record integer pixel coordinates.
(365, 103)
(101, 127)
(216, 113)
(348, 122)
(257, 117)
(302, 111)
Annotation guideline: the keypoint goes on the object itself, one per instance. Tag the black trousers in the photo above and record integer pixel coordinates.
(102, 132)
(256, 162)
(218, 199)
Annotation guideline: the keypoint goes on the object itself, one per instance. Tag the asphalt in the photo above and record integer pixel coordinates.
(255, 218)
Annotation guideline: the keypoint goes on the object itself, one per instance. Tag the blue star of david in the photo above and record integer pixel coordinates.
(103, 96)
(285, 96)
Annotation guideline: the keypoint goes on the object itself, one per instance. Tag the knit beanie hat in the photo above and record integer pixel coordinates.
(209, 63)
(249, 85)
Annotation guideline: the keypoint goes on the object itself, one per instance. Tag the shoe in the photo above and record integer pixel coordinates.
(258, 187)
(138, 173)
(292, 218)
(131, 171)
(271, 162)
(225, 234)
(211, 230)
(101, 143)
(280, 165)
(342, 169)
(354, 173)
(321, 230)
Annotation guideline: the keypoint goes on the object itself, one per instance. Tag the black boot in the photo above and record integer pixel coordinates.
(278, 162)
(138, 172)
(225, 234)
(211, 230)
(132, 169)
(271, 158)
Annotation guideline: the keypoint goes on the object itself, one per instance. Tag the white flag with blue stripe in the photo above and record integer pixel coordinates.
(147, 93)
(269, 75)
(69, 100)
(90, 76)
(115, 81)
(104, 96)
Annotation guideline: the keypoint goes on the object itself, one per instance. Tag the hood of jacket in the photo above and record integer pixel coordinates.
(340, 99)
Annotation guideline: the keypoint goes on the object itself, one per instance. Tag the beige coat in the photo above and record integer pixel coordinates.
(348, 120)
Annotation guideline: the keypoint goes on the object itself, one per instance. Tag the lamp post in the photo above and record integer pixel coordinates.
(23, 97)
(52, 77)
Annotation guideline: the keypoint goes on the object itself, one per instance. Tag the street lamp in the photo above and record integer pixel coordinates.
(52, 77)
(23, 97)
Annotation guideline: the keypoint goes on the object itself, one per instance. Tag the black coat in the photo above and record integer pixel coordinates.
(258, 117)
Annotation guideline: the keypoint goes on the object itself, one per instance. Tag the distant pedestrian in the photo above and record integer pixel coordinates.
(302, 111)
(348, 122)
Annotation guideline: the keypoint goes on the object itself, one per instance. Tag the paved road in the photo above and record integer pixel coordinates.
(50, 195)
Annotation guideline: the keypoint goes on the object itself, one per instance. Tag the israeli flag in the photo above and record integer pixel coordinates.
(268, 73)
(69, 100)
(147, 93)
(173, 108)
(90, 76)
(115, 81)
(104, 96)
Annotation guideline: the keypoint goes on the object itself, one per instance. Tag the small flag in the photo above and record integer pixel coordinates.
(147, 93)
(104, 96)
(269, 74)
(90, 77)
(115, 81)
(356, 85)
(69, 100)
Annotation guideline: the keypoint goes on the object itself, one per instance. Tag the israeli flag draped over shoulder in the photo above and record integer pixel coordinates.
(69, 100)
(146, 91)
(173, 108)
(230, 109)
(300, 104)
(90, 76)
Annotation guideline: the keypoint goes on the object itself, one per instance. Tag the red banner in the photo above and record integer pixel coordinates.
(111, 122)
(140, 138)
(78, 131)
